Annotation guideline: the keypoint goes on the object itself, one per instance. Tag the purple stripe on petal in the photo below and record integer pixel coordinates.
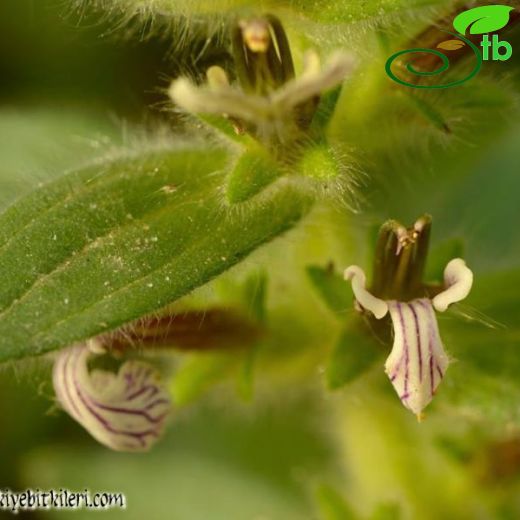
(432, 374)
(417, 345)
(157, 403)
(65, 389)
(112, 407)
(138, 393)
(418, 334)
(121, 410)
(406, 353)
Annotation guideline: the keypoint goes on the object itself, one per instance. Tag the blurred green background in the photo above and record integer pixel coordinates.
(72, 87)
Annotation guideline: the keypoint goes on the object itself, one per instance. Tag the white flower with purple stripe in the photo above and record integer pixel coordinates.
(417, 362)
(126, 411)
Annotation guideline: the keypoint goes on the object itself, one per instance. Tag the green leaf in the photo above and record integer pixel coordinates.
(325, 11)
(255, 289)
(254, 170)
(37, 143)
(428, 111)
(335, 292)
(353, 355)
(484, 19)
(255, 295)
(107, 244)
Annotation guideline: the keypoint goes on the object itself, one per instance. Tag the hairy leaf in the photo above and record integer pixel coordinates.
(253, 171)
(107, 244)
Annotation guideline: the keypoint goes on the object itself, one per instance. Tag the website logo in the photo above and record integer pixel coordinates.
(477, 21)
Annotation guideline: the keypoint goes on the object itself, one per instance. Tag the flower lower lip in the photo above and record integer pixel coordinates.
(417, 362)
(126, 411)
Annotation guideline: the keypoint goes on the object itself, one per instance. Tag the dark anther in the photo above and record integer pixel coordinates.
(262, 55)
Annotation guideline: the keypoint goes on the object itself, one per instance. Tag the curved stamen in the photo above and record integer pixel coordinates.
(368, 301)
(458, 279)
